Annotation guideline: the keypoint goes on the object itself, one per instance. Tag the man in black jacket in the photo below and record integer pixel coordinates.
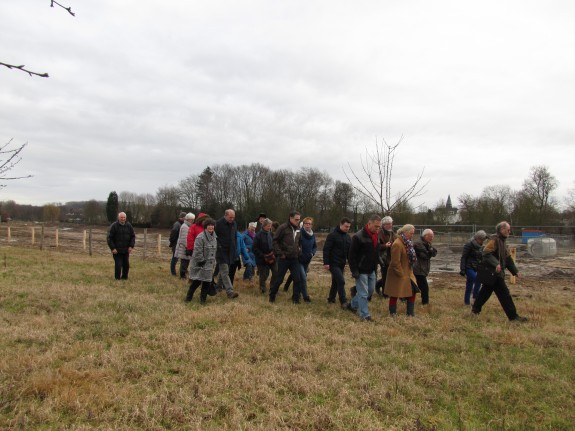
(425, 251)
(335, 251)
(226, 229)
(287, 249)
(363, 260)
(497, 257)
(121, 240)
(174, 233)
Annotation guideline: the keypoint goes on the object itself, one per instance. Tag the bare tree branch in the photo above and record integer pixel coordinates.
(374, 180)
(69, 9)
(22, 68)
(12, 159)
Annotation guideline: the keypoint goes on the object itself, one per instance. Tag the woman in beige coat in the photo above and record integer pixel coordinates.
(400, 281)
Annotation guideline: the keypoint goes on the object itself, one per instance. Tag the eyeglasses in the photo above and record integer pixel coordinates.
(307, 222)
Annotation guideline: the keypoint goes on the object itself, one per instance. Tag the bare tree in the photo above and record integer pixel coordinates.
(22, 67)
(374, 180)
(570, 198)
(538, 187)
(8, 159)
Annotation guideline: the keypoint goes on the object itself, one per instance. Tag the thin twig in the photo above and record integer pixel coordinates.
(22, 68)
(69, 9)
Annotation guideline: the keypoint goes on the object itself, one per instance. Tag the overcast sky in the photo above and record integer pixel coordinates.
(142, 94)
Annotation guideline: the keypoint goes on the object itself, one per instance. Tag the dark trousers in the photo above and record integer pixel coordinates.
(173, 262)
(337, 285)
(502, 292)
(184, 263)
(264, 272)
(233, 268)
(203, 293)
(121, 265)
(295, 270)
(424, 287)
(380, 284)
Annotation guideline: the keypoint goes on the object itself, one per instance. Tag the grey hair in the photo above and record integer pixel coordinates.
(480, 234)
(387, 220)
(426, 231)
(406, 228)
(190, 216)
(267, 222)
(501, 225)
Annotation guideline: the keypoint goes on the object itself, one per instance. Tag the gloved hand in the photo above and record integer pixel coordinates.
(189, 252)
(462, 273)
(355, 275)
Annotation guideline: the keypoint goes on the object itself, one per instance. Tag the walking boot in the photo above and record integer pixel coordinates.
(203, 297)
(411, 309)
(393, 310)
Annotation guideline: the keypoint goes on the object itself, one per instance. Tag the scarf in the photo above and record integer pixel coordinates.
(372, 235)
(411, 255)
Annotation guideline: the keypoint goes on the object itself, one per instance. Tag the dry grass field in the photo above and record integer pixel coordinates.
(81, 351)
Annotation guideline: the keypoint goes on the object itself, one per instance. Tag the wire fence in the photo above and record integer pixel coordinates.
(150, 244)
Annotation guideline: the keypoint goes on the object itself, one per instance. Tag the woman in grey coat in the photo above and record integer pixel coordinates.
(203, 261)
(180, 251)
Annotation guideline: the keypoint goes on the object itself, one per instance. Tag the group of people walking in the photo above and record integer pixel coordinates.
(383, 262)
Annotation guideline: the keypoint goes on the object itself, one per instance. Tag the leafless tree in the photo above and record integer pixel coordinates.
(10, 157)
(22, 67)
(374, 179)
(538, 186)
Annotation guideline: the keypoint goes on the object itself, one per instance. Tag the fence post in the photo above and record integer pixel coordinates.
(84, 240)
(9, 236)
(90, 241)
(145, 242)
(33, 230)
(160, 245)
(513, 253)
(42, 238)
(57, 238)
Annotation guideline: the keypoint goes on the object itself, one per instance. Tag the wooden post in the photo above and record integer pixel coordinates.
(145, 241)
(90, 242)
(57, 237)
(9, 234)
(513, 252)
(33, 230)
(84, 241)
(42, 238)
(160, 245)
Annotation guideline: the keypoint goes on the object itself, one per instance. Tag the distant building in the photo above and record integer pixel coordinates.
(447, 214)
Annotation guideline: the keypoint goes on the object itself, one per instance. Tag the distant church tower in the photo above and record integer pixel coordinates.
(448, 205)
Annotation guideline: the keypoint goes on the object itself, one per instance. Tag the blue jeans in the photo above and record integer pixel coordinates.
(304, 267)
(248, 272)
(471, 284)
(365, 285)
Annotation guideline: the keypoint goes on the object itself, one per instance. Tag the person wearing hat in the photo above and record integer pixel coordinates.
(260, 221)
(174, 234)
